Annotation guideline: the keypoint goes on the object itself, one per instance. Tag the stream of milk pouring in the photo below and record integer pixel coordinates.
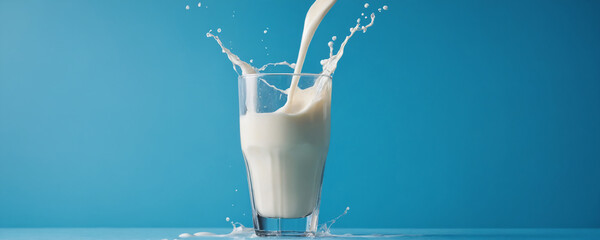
(314, 16)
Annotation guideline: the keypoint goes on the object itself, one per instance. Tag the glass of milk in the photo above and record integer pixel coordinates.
(285, 145)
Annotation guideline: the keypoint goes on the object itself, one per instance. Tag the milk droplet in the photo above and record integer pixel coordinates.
(347, 208)
(330, 44)
(251, 60)
(334, 38)
(366, 5)
(187, 7)
(365, 17)
(379, 9)
(199, 4)
(358, 20)
(385, 7)
(218, 30)
(185, 235)
(227, 219)
(362, 14)
(265, 31)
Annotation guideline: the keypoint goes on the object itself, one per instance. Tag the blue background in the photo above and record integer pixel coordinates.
(445, 114)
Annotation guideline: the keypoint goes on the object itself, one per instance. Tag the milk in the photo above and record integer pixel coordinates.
(285, 153)
(314, 16)
(285, 150)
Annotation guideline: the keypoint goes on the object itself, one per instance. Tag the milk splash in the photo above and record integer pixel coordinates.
(240, 231)
(329, 65)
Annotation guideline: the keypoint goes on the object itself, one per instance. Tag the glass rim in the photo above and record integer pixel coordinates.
(285, 74)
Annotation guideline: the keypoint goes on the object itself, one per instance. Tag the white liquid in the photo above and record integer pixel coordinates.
(286, 150)
(239, 231)
(235, 60)
(330, 64)
(285, 153)
(315, 15)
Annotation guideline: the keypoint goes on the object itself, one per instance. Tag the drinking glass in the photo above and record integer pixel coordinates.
(285, 144)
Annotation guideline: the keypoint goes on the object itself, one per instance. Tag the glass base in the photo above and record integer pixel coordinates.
(299, 227)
